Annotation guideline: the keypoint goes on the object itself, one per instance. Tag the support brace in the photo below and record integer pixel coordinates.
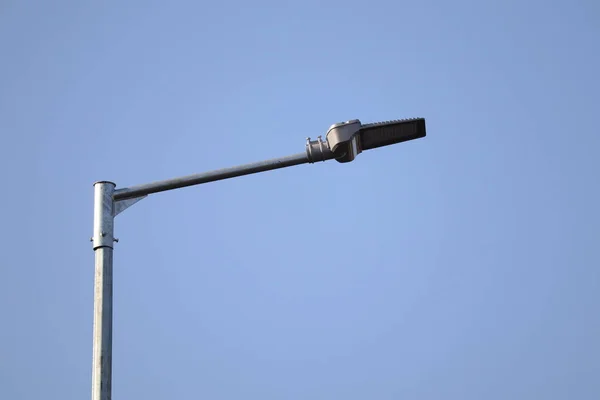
(122, 205)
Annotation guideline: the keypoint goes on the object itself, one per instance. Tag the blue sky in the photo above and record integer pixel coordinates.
(459, 266)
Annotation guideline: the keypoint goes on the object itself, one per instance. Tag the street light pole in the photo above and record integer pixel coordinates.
(344, 141)
(103, 239)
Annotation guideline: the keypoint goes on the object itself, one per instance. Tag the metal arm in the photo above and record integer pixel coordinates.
(225, 173)
(204, 177)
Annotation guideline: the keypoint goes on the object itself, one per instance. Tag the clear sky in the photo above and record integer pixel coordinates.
(460, 266)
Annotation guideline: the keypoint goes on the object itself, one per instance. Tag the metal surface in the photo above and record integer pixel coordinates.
(103, 214)
(123, 205)
(317, 150)
(103, 239)
(343, 140)
(196, 179)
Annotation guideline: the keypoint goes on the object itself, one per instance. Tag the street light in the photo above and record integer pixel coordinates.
(343, 142)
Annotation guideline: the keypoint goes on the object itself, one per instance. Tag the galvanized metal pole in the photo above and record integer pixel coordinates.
(103, 290)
